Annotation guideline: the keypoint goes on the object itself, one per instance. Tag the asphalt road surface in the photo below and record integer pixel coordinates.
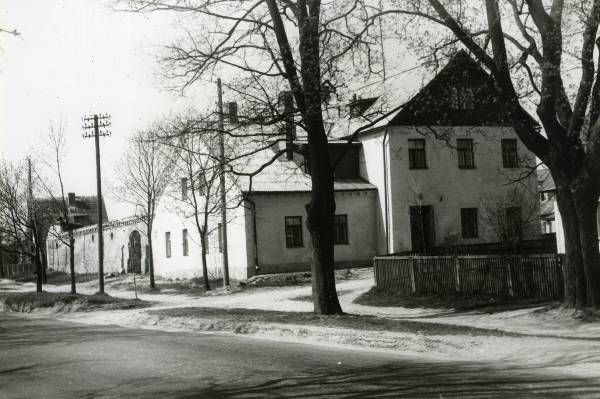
(44, 358)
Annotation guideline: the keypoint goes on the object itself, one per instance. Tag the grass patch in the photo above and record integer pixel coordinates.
(30, 301)
(193, 286)
(57, 277)
(365, 323)
(485, 303)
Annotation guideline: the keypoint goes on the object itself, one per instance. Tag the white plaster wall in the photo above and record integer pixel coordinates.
(86, 248)
(448, 188)
(271, 210)
(560, 234)
(179, 266)
(372, 169)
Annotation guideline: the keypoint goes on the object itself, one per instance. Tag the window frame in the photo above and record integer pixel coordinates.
(466, 155)
(185, 247)
(168, 244)
(291, 229)
(413, 150)
(345, 240)
(473, 226)
(510, 154)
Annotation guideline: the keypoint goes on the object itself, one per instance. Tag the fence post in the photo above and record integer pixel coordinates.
(411, 268)
(457, 274)
(511, 290)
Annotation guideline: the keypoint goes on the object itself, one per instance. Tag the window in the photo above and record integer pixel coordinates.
(293, 231)
(168, 244)
(416, 154)
(205, 244)
(341, 230)
(184, 188)
(514, 223)
(510, 158)
(111, 235)
(220, 230)
(184, 241)
(466, 158)
(468, 222)
(92, 238)
(462, 98)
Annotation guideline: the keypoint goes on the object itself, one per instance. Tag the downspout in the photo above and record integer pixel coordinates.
(385, 189)
(257, 268)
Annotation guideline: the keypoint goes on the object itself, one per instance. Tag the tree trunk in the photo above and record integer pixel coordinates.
(149, 255)
(204, 265)
(587, 205)
(320, 222)
(578, 208)
(38, 268)
(44, 262)
(72, 264)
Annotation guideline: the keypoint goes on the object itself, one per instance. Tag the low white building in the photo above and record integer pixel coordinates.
(422, 178)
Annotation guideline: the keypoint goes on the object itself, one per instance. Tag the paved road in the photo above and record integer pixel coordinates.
(43, 358)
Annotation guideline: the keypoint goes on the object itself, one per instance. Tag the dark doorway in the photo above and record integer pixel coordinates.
(422, 228)
(134, 263)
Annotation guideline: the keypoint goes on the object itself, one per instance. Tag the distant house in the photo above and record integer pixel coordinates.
(425, 177)
(547, 201)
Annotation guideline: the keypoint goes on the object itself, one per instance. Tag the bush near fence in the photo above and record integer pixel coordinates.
(18, 270)
(521, 276)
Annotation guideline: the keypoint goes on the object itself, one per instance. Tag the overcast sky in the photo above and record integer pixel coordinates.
(74, 58)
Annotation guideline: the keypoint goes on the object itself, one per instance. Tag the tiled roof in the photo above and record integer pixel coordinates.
(283, 175)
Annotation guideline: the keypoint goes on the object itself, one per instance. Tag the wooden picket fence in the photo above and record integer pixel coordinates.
(18, 270)
(522, 276)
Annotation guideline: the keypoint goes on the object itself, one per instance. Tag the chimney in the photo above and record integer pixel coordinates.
(71, 199)
(290, 127)
(232, 109)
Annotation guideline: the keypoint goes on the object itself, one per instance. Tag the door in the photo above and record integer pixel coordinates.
(134, 263)
(422, 229)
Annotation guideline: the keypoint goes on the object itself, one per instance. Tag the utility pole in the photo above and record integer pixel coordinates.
(96, 122)
(222, 182)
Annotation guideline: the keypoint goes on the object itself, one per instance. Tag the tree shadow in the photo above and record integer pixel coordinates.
(409, 379)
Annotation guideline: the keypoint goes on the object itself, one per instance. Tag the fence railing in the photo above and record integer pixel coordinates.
(18, 270)
(523, 276)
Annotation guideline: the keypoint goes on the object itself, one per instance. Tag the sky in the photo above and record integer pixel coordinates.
(75, 58)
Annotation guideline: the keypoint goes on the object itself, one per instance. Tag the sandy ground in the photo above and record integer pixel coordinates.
(553, 338)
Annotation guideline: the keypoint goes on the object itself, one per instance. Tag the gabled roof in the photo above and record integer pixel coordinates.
(462, 79)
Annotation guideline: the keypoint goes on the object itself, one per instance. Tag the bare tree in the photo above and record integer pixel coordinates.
(272, 44)
(59, 221)
(144, 174)
(535, 51)
(18, 215)
(512, 217)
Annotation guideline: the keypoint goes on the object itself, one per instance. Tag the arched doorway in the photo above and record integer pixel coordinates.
(134, 263)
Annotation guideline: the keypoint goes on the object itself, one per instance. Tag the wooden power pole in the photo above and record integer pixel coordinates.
(222, 183)
(95, 123)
